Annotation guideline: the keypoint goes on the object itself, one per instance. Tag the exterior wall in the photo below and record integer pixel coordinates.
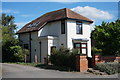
(71, 34)
(34, 44)
(81, 63)
(102, 59)
(35, 47)
(50, 35)
(54, 29)
(24, 38)
(52, 42)
(44, 49)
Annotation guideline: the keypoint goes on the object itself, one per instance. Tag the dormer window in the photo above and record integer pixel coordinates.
(29, 25)
(33, 24)
(79, 29)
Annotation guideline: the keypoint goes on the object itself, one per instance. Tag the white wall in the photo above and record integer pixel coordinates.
(35, 46)
(52, 42)
(71, 34)
(24, 38)
(54, 29)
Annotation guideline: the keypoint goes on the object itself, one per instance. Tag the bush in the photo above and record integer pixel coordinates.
(109, 68)
(18, 54)
(96, 51)
(64, 58)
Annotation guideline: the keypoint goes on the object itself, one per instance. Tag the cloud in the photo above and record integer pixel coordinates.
(25, 15)
(10, 11)
(16, 12)
(93, 13)
(6, 11)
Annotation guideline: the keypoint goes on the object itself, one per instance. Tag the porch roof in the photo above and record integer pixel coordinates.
(80, 39)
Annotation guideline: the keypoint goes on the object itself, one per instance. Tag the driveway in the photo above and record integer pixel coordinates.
(21, 71)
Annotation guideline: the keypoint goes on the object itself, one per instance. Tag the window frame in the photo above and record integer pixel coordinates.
(79, 25)
(81, 47)
(62, 26)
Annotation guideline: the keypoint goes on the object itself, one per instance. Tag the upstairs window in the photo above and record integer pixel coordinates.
(79, 28)
(62, 26)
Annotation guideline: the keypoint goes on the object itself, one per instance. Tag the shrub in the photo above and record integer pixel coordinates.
(96, 51)
(64, 58)
(19, 53)
(109, 68)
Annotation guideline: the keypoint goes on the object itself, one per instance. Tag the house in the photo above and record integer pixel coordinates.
(55, 29)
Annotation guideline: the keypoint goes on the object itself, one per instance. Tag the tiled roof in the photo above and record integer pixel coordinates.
(39, 23)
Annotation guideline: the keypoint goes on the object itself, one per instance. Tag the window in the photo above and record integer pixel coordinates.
(33, 24)
(26, 46)
(82, 47)
(62, 26)
(78, 27)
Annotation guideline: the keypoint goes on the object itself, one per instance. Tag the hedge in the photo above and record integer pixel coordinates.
(109, 67)
(64, 58)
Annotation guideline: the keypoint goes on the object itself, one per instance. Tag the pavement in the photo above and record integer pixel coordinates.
(22, 71)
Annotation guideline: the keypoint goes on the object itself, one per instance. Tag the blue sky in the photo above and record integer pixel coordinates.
(28, 11)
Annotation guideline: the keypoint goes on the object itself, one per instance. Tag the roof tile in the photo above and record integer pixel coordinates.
(52, 16)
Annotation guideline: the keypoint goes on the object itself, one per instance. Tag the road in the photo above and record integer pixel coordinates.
(21, 71)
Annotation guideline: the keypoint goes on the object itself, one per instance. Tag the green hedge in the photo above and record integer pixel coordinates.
(109, 68)
(64, 58)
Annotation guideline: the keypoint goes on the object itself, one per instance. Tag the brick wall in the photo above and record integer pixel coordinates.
(102, 59)
(81, 63)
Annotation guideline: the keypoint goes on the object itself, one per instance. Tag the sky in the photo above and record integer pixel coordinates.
(25, 12)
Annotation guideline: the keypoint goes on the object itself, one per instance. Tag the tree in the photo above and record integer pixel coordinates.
(20, 53)
(107, 37)
(8, 37)
(12, 52)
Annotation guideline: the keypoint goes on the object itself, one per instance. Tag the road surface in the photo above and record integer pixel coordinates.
(22, 71)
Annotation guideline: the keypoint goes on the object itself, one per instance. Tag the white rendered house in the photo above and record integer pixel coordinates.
(55, 29)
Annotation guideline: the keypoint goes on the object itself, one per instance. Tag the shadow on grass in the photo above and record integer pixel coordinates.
(53, 67)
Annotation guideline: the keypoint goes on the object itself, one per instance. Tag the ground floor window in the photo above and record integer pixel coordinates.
(82, 47)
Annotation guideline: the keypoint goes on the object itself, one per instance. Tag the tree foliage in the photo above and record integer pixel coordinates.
(107, 37)
(11, 51)
(19, 53)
